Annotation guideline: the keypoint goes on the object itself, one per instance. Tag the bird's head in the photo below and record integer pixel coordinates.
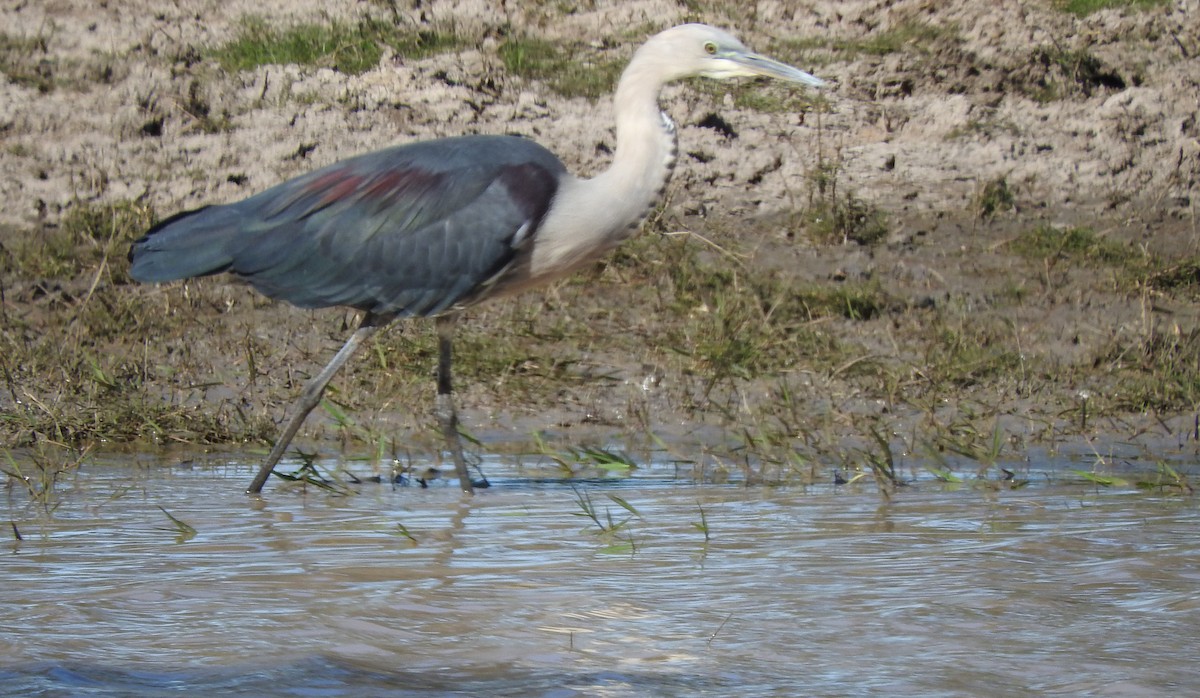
(700, 50)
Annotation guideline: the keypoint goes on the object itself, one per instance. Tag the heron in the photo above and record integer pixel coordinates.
(428, 229)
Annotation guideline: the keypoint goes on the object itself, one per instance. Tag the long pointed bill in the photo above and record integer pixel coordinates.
(757, 64)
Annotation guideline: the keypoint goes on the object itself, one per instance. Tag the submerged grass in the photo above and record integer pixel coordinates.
(574, 459)
(39, 470)
(615, 533)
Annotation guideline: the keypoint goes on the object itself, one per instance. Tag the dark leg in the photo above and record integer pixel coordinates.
(311, 397)
(445, 402)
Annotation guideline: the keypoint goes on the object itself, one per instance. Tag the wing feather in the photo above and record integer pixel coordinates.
(410, 230)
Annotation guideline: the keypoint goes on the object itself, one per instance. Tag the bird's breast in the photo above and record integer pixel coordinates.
(590, 217)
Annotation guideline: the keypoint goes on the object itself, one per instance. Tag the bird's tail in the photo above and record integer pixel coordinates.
(192, 243)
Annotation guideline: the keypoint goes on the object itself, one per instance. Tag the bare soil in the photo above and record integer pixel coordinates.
(973, 330)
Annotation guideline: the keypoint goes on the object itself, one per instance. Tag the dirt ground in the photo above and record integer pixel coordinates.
(961, 128)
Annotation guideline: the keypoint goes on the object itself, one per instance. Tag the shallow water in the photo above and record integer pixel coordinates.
(1046, 590)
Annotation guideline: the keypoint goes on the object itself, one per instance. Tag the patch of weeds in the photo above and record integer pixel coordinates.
(1157, 372)
(350, 427)
(1182, 277)
(904, 36)
(74, 352)
(197, 106)
(852, 301)
(836, 216)
(518, 362)
(970, 442)
(1164, 480)
(777, 446)
(1100, 479)
(1078, 243)
(967, 352)
(116, 222)
(66, 389)
(89, 235)
(25, 60)
(740, 325)
(994, 197)
(1083, 8)
(1131, 268)
(561, 67)
(351, 48)
(424, 43)
(1065, 73)
(484, 354)
(730, 320)
(335, 44)
(882, 462)
(833, 221)
(1013, 291)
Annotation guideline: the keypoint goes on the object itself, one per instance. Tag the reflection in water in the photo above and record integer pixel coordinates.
(1041, 591)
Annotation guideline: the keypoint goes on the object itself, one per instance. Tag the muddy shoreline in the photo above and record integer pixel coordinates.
(986, 227)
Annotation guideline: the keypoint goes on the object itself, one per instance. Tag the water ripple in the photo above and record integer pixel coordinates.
(797, 591)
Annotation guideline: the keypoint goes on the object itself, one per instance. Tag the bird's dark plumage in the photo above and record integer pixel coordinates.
(410, 230)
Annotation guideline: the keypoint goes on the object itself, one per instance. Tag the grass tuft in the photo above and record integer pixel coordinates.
(25, 61)
(1083, 8)
(560, 67)
(351, 48)
(1069, 72)
(1157, 372)
(88, 235)
(1080, 244)
(995, 197)
(836, 215)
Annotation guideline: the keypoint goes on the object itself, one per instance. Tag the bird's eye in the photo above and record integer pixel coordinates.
(710, 48)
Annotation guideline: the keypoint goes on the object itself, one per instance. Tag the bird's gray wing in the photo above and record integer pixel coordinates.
(411, 230)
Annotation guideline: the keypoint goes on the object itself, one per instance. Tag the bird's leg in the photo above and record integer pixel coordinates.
(311, 397)
(445, 403)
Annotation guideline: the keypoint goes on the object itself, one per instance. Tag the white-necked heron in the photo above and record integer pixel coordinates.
(430, 228)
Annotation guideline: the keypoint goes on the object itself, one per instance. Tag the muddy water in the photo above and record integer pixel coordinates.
(1047, 590)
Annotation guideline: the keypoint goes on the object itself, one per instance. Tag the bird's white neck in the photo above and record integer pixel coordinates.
(646, 145)
(592, 216)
